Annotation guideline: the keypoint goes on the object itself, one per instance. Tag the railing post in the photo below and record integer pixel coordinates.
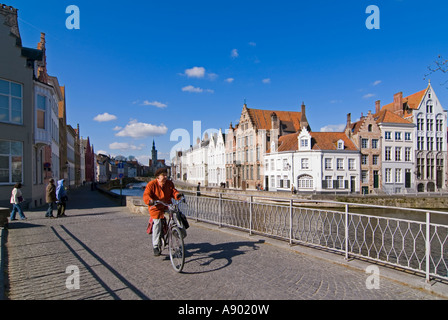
(197, 207)
(346, 232)
(220, 210)
(428, 244)
(290, 221)
(250, 215)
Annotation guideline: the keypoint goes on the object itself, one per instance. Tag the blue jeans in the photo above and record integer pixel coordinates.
(50, 210)
(16, 208)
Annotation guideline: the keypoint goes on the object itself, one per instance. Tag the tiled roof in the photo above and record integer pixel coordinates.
(290, 120)
(386, 116)
(412, 101)
(319, 141)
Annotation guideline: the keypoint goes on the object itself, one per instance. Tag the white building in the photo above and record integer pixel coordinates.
(397, 149)
(217, 159)
(194, 163)
(425, 111)
(313, 162)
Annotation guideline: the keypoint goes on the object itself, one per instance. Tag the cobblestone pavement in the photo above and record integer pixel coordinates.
(113, 254)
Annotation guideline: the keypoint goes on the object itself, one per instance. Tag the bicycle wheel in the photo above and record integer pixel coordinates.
(177, 249)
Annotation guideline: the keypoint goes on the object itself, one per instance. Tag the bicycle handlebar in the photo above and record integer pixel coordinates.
(156, 202)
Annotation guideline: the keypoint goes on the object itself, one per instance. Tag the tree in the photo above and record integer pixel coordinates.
(441, 65)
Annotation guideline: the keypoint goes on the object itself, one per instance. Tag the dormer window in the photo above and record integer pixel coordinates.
(340, 144)
(304, 143)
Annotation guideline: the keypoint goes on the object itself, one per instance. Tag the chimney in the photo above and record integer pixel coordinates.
(303, 119)
(274, 121)
(398, 102)
(377, 106)
(348, 126)
(42, 69)
(11, 18)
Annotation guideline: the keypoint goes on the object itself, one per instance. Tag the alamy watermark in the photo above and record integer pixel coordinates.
(73, 21)
(72, 281)
(373, 20)
(373, 280)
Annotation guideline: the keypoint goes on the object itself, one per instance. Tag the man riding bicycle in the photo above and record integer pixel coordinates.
(163, 190)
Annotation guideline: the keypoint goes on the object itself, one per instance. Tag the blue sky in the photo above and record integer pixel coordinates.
(152, 68)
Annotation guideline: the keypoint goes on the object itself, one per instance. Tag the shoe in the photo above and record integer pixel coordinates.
(12, 219)
(23, 218)
(156, 252)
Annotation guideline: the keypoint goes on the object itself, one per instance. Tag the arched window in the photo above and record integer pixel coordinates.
(305, 182)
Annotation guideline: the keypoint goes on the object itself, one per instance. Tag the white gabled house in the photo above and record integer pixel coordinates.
(217, 159)
(313, 162)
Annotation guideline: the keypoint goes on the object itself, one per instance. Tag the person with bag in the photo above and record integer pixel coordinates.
(50, 197)
(61, 196)
(16, 199)
(159, 189)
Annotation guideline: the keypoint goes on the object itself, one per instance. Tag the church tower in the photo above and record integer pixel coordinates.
(154, 153)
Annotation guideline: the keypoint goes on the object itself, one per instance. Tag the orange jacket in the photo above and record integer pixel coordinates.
(154, 191)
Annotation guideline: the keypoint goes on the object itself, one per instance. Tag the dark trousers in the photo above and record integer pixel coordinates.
(61, 208)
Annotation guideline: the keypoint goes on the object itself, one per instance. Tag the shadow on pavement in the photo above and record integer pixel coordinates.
(213, 257)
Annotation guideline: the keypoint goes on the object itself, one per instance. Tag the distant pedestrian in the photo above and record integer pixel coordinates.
(50, 197)
(16, 199)
(198, 189)
(61, 195)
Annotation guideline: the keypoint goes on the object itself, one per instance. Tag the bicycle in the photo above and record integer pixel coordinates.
(173, 234)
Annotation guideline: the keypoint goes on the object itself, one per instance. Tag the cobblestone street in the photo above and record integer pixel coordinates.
(110, 248)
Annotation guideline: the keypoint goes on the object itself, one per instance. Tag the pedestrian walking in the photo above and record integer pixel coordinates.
(198, 189)
(61, 196)
(16, 199)
(50, 197)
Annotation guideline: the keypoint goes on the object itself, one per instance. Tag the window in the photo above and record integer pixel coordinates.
(303, 143)
(340, 164)
(407, 154)
(41, 107)
(364, 176)
(340, 145)
(305, 163)
(429, 124)
(328, 182)
(374, 143)
(11, 154)
(429, 143)
(420, 143)
(388, 173)
(398, 175)
(305, 182)
(375, 159)
(407, 136)
(398, 136)
(420, 122)
(351, 164)
(364, 159)
(387, 156)
(10, 102)
(328, 164)
(340, 180)
(364, 143)
(387, 135)
(397, 153)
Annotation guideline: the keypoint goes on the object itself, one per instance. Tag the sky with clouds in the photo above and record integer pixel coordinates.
(169, 71)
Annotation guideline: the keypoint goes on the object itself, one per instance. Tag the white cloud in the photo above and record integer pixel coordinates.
(267, 80)
(196, 89)
(377, 82)
(229, 80)
(252, 44)
(124, 146)
(155, 104)
(369, 95)
(234, 53)
(105, 117)
(333, 128)
(140, 130)
(195, 72)
(117, 128)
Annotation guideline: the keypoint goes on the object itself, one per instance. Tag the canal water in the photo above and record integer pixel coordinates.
(136, 190)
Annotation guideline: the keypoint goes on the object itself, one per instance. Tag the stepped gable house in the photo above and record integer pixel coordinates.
(248, 141)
